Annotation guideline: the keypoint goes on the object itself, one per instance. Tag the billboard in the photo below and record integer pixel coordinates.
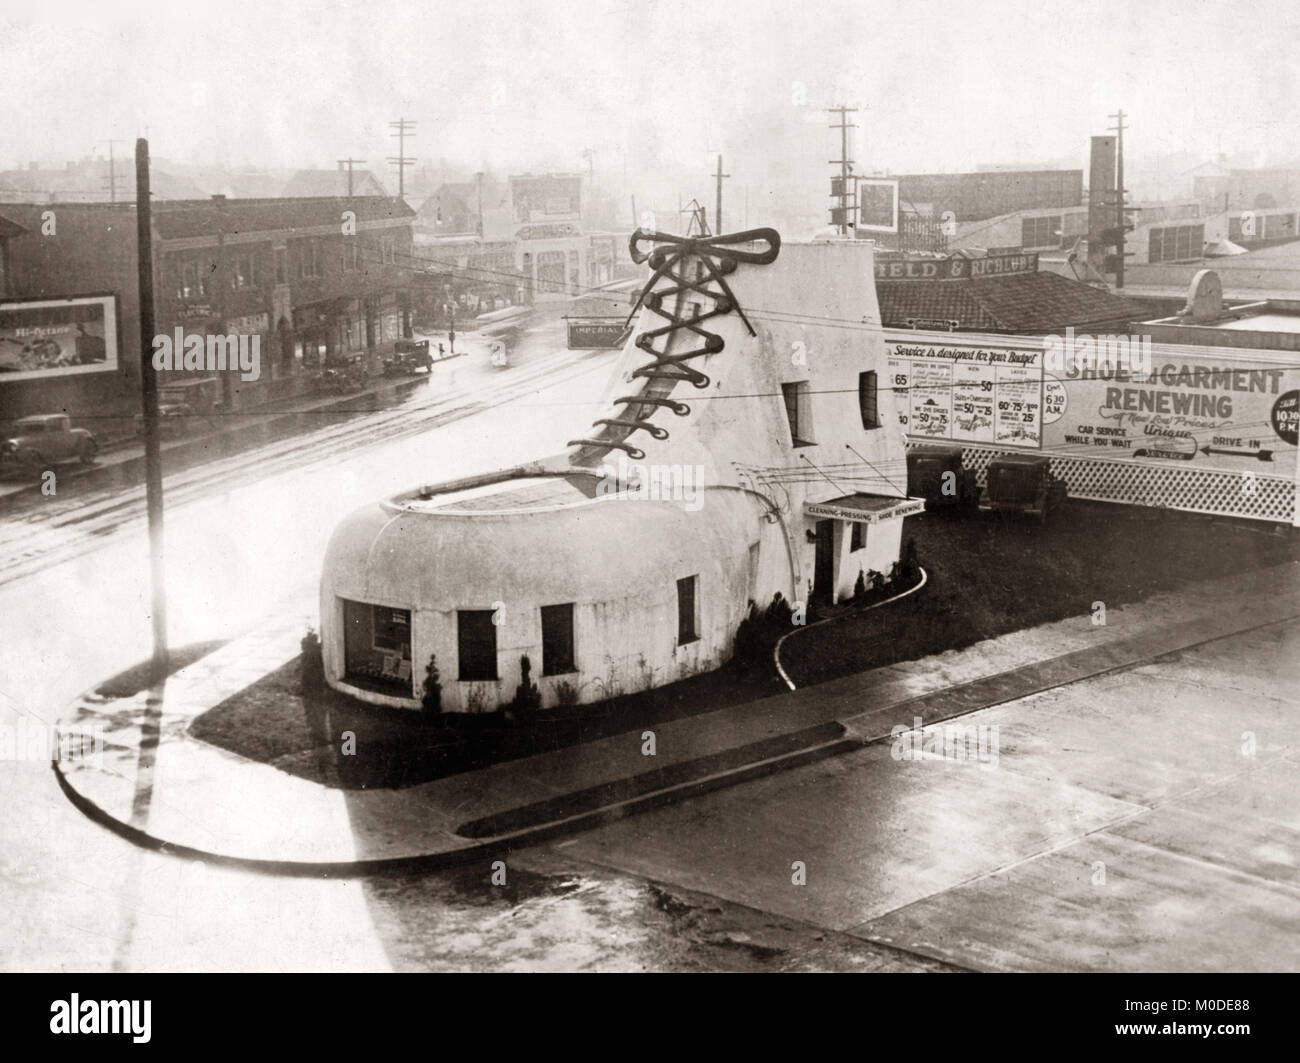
(42, 338)
(971, 393)
(878, 205)
(1228, 412)
(552, 197)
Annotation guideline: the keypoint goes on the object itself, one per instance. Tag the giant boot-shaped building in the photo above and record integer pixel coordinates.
(751, 448)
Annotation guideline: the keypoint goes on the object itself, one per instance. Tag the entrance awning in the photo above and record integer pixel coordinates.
(865, 509)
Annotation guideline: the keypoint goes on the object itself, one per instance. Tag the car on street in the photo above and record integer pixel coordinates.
(408, 356)
(42, 440)
(343, 372)
(181, 406)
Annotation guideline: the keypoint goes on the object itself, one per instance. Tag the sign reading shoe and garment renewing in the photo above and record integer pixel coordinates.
(1119, 398)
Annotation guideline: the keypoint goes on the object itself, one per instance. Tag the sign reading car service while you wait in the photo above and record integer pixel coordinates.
(1197, 408)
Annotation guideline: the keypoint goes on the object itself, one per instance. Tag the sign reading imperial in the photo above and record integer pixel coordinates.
(957, 267)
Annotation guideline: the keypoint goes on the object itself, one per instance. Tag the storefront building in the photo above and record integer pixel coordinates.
(306, 277)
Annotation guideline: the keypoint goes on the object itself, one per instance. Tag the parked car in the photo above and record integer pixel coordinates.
(181, 406)
(1023, 483)
(408, 356)
(937, 474)
(343, 372)
(46, 439)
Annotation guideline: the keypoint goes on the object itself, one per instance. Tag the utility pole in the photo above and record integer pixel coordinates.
(478, 179)
(404, 128)
(1120, 220)
(219, 304)
(349, 163)
(112, 170)
(840, 187)
(112, 173)
(717, 210)
(149, 402)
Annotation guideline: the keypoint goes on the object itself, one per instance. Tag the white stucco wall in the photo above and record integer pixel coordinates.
(816, 319)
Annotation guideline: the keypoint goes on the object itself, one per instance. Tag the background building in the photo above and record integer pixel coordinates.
(974, 196)
(281, 269)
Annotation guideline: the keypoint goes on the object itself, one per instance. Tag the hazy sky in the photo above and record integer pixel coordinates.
(654, 88)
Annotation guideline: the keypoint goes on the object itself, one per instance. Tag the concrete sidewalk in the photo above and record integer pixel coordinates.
(161, 787)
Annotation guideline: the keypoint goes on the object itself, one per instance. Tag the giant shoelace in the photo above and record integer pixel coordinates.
(675, 258)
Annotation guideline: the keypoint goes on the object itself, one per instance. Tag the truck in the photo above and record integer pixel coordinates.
(1023, 483)
(937, 473)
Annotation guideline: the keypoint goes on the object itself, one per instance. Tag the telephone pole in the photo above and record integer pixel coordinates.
(717, 210)
(149, 404)
(404, 129)
(349, 163)
(840, 186)
(112, 171)
(1121, 223)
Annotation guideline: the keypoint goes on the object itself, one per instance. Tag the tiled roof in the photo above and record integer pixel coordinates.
(177, 220)
(1021, 302)
(9, 227)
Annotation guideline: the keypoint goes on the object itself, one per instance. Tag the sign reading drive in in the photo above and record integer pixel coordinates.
(57, 337)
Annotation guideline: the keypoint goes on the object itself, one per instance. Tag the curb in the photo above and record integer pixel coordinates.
(661, 787)
(507, 842)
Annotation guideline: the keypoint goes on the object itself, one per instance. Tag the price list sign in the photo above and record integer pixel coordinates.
(968, 393)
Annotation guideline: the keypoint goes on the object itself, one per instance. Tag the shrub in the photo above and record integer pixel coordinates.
(528, 699)
(750, 644)
(313, 663)
(431, 699)
(860, 589)
(911, 566)
(779, 612)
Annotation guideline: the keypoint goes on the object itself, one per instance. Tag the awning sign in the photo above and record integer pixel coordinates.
(905, 507)
(606, 333)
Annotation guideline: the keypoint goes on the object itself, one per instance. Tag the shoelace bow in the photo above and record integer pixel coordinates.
(711, 258)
